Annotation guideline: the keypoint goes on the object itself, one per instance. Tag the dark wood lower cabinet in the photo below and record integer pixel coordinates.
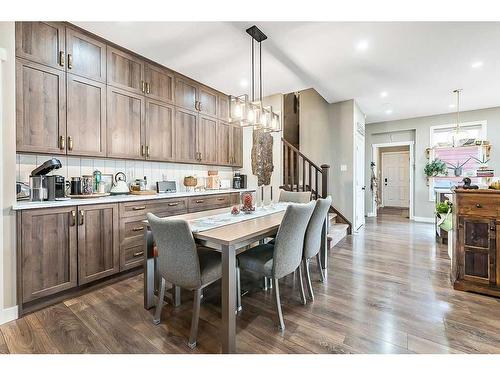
(98, 247)
(47, 252)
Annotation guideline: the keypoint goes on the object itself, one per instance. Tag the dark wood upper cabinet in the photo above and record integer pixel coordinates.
(185, 135)
(208, 101)
(98, 246)
(160, 136)
(47, 256)
(186, 93)
(40, 108)
(223, 113)
(207, 139)
(159, 83)
(125, 71)
(237, 146)
(41, 42)
(224, 155)
(125, 124)
(86, 116)
(86, 56)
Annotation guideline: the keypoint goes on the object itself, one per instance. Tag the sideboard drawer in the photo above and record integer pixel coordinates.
(131, 256)
(209, 202)
(478, 205)
(140, 208)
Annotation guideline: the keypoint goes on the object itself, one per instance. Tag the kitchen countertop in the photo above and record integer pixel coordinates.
(27, 205)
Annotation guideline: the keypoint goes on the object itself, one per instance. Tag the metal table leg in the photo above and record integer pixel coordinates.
(149, 272)
(228, 333)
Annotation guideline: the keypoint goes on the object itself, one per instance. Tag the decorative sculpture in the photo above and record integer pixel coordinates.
(262, 156)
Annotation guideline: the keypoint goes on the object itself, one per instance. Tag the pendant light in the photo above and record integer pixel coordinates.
(459, 135)
(251, 112)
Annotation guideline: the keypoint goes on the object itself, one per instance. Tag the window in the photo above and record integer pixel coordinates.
(442, 135)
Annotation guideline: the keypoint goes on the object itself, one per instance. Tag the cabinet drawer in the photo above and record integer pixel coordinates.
(140, 208)
(478, 205)
(208, 202)
(131, 256)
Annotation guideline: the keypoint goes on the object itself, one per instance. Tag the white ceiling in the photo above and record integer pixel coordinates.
(418, 64)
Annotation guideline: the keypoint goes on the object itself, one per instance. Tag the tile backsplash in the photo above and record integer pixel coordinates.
(154, 171)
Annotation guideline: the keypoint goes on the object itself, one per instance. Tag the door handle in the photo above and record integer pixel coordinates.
(138, 254)
(73, 218)
(70, 61)
(363, 188)
(70, 143)
(61, 58)
(200, 201)
(62, 142)
(138, 208)
(80, 215)
(147, 151)
(143, 86)
(137, 229)
(147, 88)
(142, 150)
(173, 204)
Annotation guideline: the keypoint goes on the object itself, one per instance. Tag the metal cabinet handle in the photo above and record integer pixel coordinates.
(147, 151)
(142, 150)
(478, 205)
(147, 88)
(73, 218)
(200, 201)
(62, 142)
(80, 215)
(70, 143)
(70, 61)
(138, 254)
(173, 204)
(138, 208)
(61, 58)
(199, 106)
(137, 229)
(143, 86)
(221, 199)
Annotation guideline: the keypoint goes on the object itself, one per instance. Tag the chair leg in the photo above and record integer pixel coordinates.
(159, 306)
(265, 287)
(238, 290)
(301, 286)
(320, 270)
(278, 305)
(306, 262)
(195, 318)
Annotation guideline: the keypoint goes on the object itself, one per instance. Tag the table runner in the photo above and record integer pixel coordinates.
(220, 220)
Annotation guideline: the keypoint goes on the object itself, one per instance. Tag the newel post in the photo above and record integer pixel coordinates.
(325, 168)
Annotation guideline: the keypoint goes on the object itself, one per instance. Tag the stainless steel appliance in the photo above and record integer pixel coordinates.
(56, 186)
(236, 180)
(166, 187)
(243, 181)
(38, 186)
(39, 181)
(23, 191)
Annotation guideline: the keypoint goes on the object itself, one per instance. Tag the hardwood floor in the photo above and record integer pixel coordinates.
(388, 291)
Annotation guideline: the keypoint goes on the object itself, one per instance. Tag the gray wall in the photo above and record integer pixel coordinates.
(419, 129)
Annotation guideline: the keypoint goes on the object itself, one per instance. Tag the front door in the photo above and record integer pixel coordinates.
(396, 179)
(359, 205)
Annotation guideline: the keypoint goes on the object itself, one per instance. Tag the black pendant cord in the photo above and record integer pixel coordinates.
(253, 68)
(260, 69)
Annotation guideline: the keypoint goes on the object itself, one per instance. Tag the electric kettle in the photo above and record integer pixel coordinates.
(120, 185)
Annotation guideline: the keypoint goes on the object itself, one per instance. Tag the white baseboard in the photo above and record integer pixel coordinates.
(371, 214)
(8, 314)
(423, 219)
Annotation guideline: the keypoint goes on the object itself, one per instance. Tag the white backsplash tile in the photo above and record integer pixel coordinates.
(154, 171)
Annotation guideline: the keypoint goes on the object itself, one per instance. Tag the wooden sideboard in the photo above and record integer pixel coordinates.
(78, 94)
(64, 250)
(476, 248)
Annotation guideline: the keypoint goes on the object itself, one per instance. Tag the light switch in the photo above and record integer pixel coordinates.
(343, 167)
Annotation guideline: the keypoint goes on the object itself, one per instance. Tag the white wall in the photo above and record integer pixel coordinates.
(8, 309)
(401, 130)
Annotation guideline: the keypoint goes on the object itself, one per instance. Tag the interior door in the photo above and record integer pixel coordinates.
(360, 182)
(396, 179)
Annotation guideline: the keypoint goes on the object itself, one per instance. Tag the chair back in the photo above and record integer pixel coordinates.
(289, 243)
(312, 240)
(295, 196)
(178, 260)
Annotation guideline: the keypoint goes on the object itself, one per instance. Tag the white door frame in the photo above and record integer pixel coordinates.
(375, 152)
(382, 185)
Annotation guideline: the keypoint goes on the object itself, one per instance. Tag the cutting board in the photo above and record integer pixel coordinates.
(143, 192)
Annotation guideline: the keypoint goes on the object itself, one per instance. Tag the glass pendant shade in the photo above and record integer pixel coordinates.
(238, 108)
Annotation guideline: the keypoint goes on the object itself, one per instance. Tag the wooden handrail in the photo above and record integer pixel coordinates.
(300, 154)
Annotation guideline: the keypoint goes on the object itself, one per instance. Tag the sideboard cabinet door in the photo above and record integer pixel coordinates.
(47, 256)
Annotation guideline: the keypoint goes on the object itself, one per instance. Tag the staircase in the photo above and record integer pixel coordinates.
(301, 174)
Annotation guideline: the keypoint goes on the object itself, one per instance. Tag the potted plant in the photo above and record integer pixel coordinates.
(434, 168)
(444, 215)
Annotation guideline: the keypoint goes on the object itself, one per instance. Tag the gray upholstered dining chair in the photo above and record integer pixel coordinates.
(183, 264)
(312, 239)
(294, 196)
(285, 255)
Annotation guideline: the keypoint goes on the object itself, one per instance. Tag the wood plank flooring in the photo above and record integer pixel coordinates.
(388, 291)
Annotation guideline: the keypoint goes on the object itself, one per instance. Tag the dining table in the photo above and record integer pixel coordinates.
(230, 235)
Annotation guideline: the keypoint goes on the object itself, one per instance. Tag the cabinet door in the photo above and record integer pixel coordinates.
(159, 131)
(223, 143)
(41, 42)
(186, 93)
(478, 242)
(223, 113)
(124, 130)
(159, 83)
(98, 247)
(208, 101)
(207, 139)
(125, 71)
(48, 251)
(237, 146)
(185, 135)
(86, 116)
(86, 56)
(40, 108)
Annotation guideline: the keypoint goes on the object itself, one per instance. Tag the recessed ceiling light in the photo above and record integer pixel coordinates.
(383, 94)
(451, 105)
(362, 45)
(388, 111)
(244, 83)
(477, 64)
